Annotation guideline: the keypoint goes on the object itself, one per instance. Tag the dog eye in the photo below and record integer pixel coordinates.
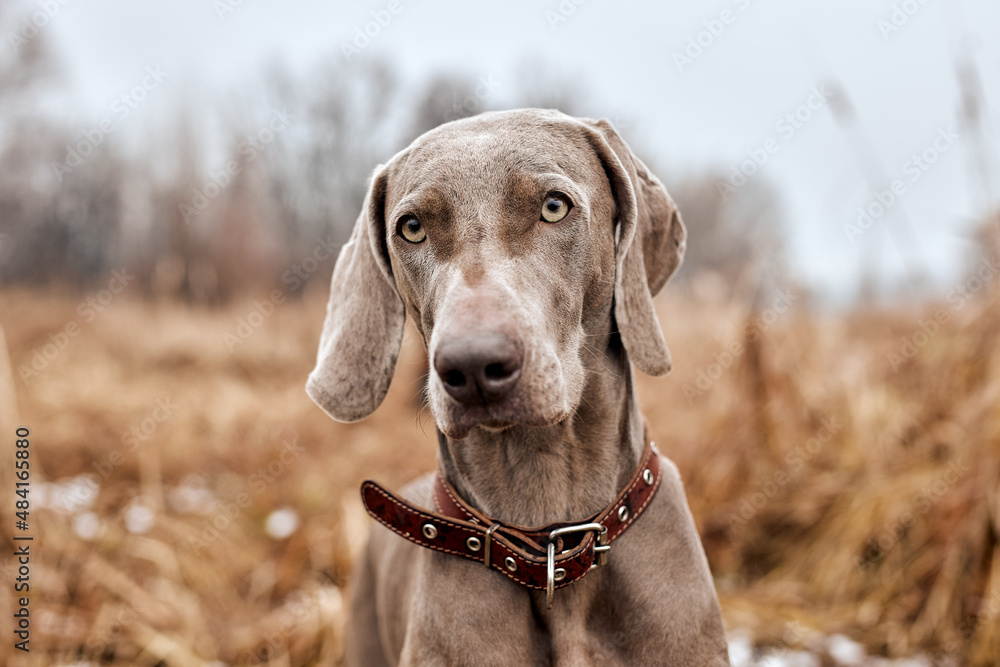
(411, 229)
(555, 208)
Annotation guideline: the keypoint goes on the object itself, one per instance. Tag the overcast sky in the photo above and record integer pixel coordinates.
(759, 60)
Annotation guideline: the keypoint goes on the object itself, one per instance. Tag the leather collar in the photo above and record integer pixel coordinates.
(543, 558)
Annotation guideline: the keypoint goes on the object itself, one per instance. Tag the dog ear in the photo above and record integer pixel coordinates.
(651, 240)
(363, 330)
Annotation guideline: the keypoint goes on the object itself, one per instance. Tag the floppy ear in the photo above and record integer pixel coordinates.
(649, 249)
(364, 320)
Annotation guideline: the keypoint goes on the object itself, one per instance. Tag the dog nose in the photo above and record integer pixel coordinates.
(483, 368)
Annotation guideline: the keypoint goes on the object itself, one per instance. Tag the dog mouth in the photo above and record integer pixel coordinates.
(457, 421)
(496, 426)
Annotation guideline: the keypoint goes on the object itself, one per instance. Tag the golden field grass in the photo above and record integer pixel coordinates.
(842, 480)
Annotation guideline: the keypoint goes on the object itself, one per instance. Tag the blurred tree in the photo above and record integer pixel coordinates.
(450, 96)
(60, 199)
(739, 238)
(539, 87)
(987, 241)
(190, 231)
(25, 67)
(172, 242)
(343, 125)
(446, 97)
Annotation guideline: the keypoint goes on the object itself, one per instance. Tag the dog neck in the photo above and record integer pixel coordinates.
(534, 476)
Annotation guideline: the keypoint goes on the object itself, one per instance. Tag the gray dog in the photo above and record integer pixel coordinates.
(526, 246)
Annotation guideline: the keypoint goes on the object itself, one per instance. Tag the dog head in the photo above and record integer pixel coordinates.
(510, 239)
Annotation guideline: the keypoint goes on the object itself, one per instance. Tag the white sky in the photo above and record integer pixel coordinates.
(760, 67)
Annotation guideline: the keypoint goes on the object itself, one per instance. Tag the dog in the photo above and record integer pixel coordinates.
(526, 246)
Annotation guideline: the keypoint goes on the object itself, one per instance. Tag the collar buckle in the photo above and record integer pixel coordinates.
(601, 549)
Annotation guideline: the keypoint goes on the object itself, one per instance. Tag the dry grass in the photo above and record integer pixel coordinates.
(817, 473)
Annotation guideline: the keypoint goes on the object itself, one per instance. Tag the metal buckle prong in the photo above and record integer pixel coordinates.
(600, 550)
(487, 541)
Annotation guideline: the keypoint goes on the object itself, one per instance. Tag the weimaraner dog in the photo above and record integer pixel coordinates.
(526, 246)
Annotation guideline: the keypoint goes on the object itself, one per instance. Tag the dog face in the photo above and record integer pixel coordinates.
(507, 268)
(510, 239)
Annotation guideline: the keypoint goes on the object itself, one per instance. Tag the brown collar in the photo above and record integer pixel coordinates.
(541, 558)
